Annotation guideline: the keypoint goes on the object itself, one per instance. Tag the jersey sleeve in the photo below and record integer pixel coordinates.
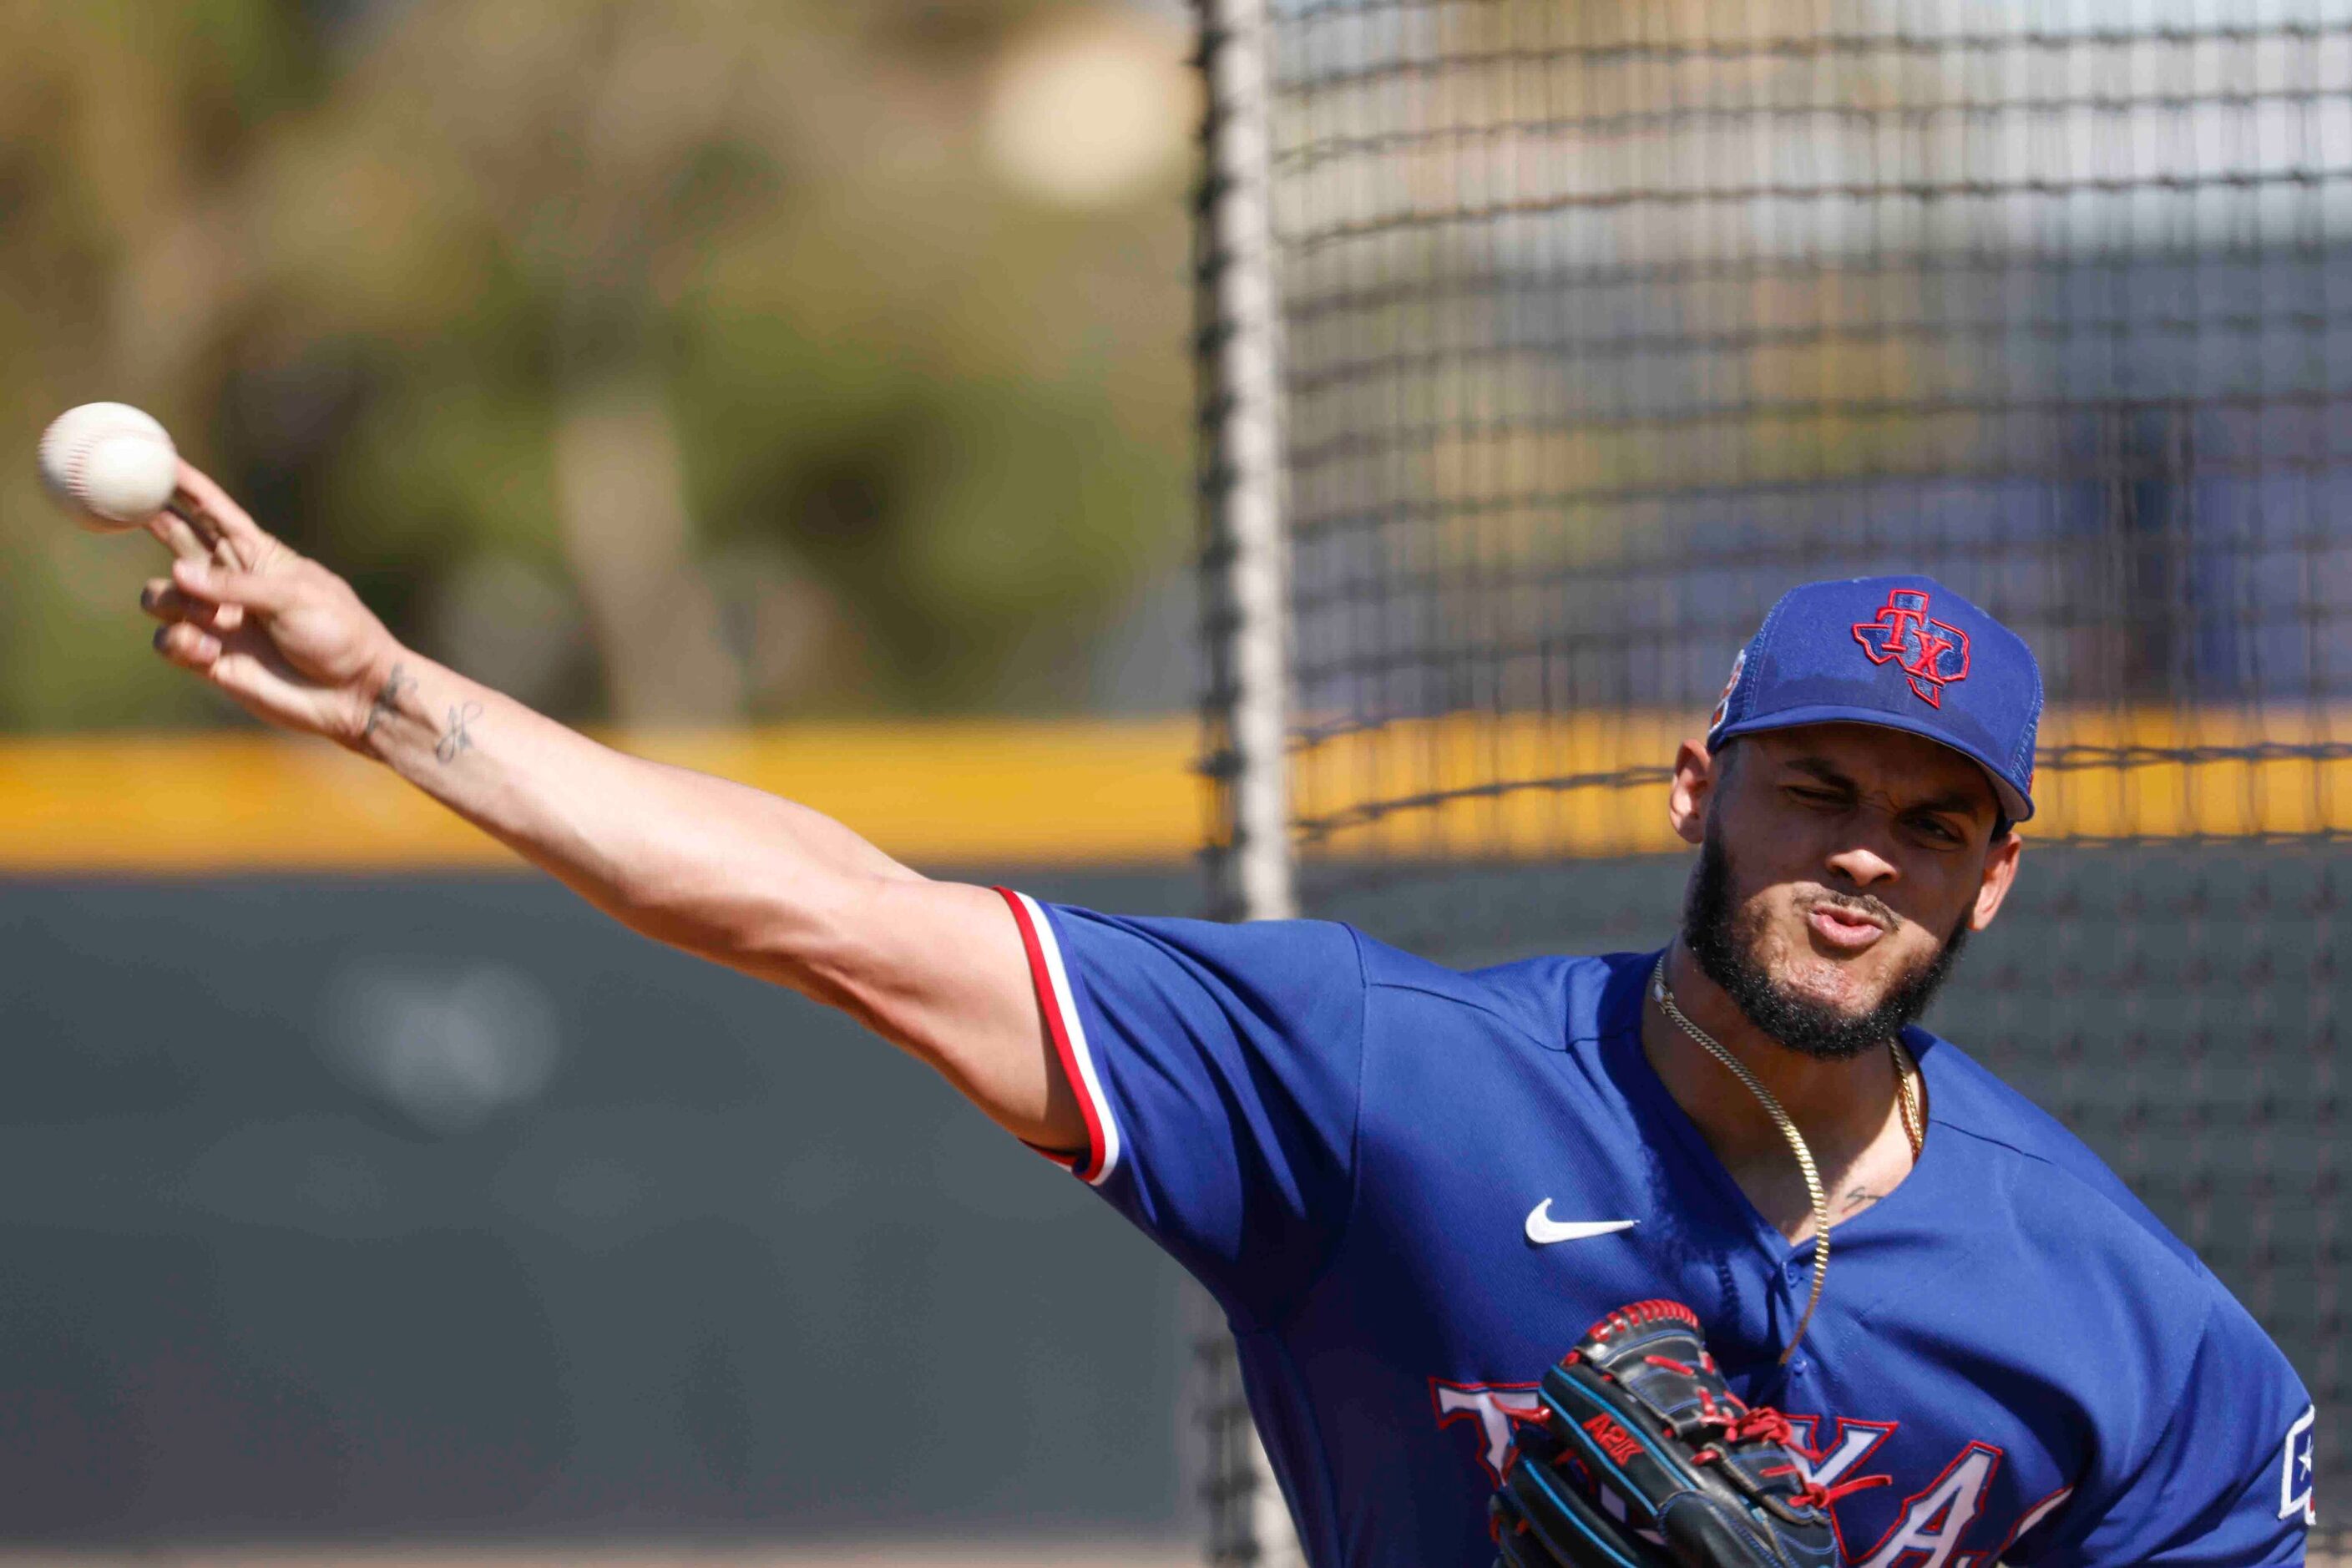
(1217, 1068)
(2227, 1481)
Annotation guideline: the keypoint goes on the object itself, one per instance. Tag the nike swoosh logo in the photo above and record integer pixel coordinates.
(1543, 1230)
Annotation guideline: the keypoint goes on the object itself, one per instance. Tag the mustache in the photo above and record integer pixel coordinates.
(1867, 906)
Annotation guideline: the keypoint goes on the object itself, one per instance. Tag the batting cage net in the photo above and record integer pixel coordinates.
(1581, 332)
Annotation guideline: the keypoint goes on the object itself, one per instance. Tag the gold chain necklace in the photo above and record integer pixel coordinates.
(1907, 1096)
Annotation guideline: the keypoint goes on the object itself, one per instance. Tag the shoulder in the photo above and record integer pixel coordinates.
(1279, 968)
(2124, 1313)
(1267, 986)
(2075, 1198)
(2112, 1269)
(1257, 955)
(1551, 1002)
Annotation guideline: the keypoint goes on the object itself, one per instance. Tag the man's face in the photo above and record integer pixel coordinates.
(1840, 870)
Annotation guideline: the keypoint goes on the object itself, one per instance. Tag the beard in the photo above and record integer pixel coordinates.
(1724, 941)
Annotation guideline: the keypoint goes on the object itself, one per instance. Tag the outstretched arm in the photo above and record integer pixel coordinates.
(728, 873)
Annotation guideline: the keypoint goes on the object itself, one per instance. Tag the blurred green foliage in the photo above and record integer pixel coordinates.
(666, 360)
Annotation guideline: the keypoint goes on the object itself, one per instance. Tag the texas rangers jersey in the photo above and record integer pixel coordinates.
(1345, 1144)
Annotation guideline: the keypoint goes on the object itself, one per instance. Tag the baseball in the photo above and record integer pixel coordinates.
(108, 464)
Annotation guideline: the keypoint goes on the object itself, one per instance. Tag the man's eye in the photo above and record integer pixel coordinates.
(1941, 831)
(1818, 796)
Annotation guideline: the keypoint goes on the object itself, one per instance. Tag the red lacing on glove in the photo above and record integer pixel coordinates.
(1762, 1422)
(1740, 1422)
(1730, 1414)
(1633, 1314)
(1814, 1495)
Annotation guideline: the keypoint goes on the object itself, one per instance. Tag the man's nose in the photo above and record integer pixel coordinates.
(1862, 865)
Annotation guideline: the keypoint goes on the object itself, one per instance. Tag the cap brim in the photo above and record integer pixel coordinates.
(2019, 806)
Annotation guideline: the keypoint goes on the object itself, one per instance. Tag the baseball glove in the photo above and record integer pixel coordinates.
(1645, 1458)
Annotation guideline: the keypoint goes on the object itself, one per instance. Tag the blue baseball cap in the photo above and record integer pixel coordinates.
(1906, 653)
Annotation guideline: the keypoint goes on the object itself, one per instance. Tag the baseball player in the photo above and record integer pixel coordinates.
(1411, 1189)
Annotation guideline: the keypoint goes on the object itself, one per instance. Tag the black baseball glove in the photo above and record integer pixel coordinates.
(1645, 1458)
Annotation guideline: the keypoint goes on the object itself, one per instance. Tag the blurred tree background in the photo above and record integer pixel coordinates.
(660, 361)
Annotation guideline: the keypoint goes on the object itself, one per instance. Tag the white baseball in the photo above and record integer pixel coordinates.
(110, 465)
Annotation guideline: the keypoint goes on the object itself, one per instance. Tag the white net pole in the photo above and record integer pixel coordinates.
(1249, 632)
(1245, 363)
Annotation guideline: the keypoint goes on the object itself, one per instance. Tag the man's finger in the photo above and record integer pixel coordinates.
(188, 647)
(268, 592)
(218, 519)
(178, 535)
(163, 601)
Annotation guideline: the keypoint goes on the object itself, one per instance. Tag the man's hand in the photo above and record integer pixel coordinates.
(284, 637)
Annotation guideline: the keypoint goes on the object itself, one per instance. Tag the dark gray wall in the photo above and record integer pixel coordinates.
(443, 1204)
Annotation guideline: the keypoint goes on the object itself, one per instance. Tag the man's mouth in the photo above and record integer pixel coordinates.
(1848, 931)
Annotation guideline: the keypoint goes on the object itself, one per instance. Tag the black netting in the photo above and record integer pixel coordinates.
(1605, 323)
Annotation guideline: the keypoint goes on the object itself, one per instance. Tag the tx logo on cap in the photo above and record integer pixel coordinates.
(1929, 652)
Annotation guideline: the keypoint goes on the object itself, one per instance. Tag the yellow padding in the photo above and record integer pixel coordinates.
(945, 794)
(1525, 788)
(987, 793)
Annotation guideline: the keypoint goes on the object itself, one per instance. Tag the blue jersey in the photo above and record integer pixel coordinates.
(1356, 1150)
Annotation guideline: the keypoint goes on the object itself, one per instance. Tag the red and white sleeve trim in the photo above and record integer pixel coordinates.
(1060, 1005)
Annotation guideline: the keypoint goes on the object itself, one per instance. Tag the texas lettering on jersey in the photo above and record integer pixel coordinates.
(1927, 1530)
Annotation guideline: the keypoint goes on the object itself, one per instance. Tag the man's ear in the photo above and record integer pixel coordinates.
(2000, 874)
(1696, 776)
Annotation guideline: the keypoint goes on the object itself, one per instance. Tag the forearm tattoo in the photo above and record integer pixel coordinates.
(397, 685)
(457, 740)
